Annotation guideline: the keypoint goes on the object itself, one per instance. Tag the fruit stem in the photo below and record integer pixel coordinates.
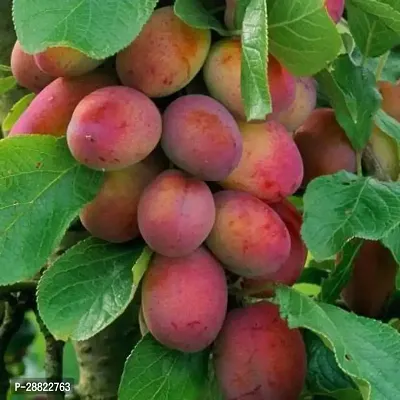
(359, 163)
(381, 65)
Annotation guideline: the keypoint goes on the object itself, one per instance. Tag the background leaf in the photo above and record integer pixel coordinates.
(88, 287)
(7, 84)
(97, 28)
(16, 111)
(42, 189)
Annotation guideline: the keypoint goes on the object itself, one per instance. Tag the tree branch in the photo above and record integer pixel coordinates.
(373, 166)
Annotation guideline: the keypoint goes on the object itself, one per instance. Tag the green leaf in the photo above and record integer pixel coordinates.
(97, 28)
(391, 69)
(352, 92)
(337, 280)
(195, 14)
(88, 287)
(387, 124)
(6, 84)
(5, 68)
(299, 31)
(254, 82)
(42, 189)
(342, 206)
(17, 109)
(153, 372)
(323, 374)
(392, 242)
(312, 275)
(353, 340)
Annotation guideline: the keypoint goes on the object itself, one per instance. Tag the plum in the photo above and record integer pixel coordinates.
(390, 98)
(335, 9)
(112, 215)
(302, 106)
(257, 356)
(51, 110)
(291, 270)
(324, 146)
(113, 128)
(26, 72)
(201, 137)
(248, 236)
(373, 280)
(65, 62)
(222, 75)
(184, 300)
(165, 56)
(271, 167)
(176, 213)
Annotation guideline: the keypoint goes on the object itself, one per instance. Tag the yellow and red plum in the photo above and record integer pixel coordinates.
(65, 62)
(270, 167)
(165, 56)
(176, 213)
(112, 215)
(113, 128)
(248, 236)
(222, 75)
(184, 300)
(51, 110)
(257, 356)
(292, 268)
(335, 9)
(26, 72)
(302, 106)
(201, 137)
(324, 146)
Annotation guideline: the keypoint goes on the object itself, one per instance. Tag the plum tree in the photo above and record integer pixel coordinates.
(324, 146)
(176, 213)
(257, 356)
(113, 128)
(222, 72)
(248, 236)
(51, 110)
(201, 137)
(165, 56)
(271, 167)
(112, 214)
(65, 61)
(26, 72)
(184, 300)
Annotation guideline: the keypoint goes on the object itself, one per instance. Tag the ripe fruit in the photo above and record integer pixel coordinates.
(372, 281)
(324, 146)
(176, 213)
(65, 61)
(302, 106)
(271, 167)
(390, 98)
(222, 75)
(51, 110)
(335, 9)
(248, 236)
(257, 356)
(112, 215)
(184, 300)
(165, 56)
(113, 128)
(26, 72)
(292, 268)
(201, 137)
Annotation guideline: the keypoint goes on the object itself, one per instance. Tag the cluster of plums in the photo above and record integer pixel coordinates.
(205, 189)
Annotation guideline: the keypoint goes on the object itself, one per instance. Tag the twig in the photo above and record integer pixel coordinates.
(28, 286)
(373, 166)
(381, 65)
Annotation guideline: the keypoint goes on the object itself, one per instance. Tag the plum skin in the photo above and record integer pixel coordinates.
(176, 213)
(113, 128)
(248, 236)
(184, 300)
(257, 356)
(201, 137)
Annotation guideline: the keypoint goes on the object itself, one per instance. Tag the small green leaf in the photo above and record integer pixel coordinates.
(141, 265)
(5, 68)
(88, 288)
(353, 340)
(337, 280)
(17, 109)
(97, 28)
(352, 92)
(153, 372)
(387, 124)
(254, 82)
(299, 31)
(342, 206)
(6, 84)
(194, 13)
(42, 189)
